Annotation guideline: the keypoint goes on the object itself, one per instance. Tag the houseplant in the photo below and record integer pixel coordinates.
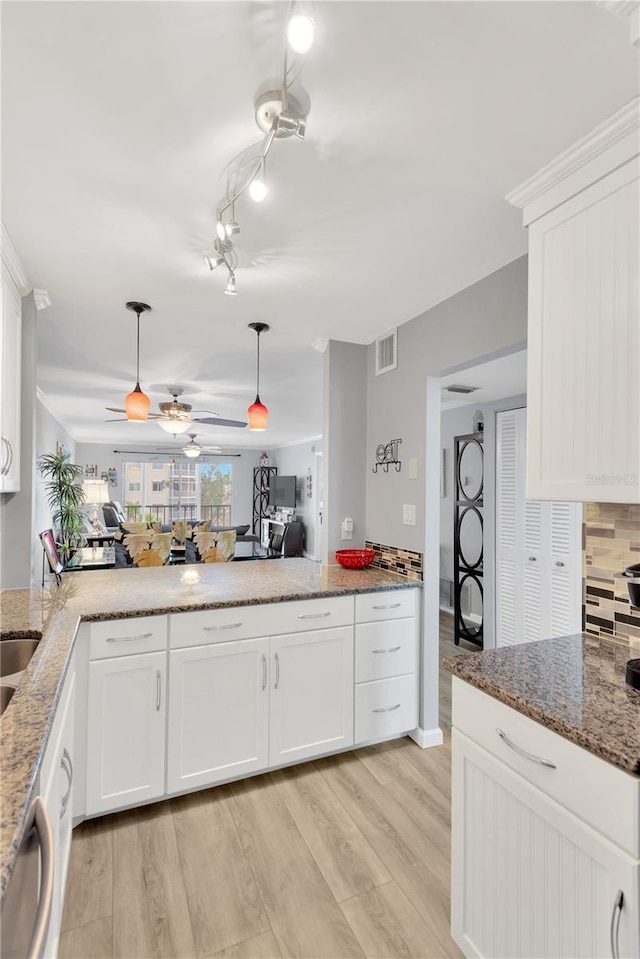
(65, 497)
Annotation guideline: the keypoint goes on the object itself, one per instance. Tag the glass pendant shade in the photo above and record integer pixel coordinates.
(257, 416)
(174, 426)
(137, 405)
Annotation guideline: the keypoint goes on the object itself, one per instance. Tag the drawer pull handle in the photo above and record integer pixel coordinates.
(264, 672)
(615, 924)
(129, 639)
(210, 629)
(392, 649)
(158, 690)
(540, 760)
(277, 682)
(67, 765)
(388, 709)
(313, 615)
(389, 606)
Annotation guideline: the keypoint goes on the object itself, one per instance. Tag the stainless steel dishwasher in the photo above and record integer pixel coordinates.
(27, 906)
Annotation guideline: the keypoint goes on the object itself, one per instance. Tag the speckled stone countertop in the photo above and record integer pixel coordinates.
(55, 613)
(574, 685)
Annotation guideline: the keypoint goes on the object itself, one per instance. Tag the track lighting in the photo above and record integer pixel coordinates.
(300, 33)
(231, 285)
(220, 229)
(231, 228)
(213, 260)
(291, 125)
(258, 189)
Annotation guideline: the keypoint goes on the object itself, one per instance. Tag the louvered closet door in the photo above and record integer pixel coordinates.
(537, 549)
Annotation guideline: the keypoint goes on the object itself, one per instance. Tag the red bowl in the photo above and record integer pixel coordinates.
(355, 558)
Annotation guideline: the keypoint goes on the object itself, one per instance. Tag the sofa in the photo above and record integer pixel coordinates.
(186, 541)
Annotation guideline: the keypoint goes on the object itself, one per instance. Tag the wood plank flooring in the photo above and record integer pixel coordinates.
(345, 856)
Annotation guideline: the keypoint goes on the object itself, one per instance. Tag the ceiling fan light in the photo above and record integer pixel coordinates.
(137, 405)
(174, 425)
(192, 450)
(300, 33)
(257, 416)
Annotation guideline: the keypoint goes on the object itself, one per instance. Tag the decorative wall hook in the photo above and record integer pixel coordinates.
(386, 456)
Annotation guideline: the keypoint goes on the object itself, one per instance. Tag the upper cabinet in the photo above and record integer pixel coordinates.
(10, 367)
(583, 390)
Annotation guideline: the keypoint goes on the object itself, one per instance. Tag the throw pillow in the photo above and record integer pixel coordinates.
(210, 547)
(131, 540)
(182, 530)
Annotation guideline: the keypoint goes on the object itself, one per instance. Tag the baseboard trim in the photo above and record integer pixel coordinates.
(425, 738)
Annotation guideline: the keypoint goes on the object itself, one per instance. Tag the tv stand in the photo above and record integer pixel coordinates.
(282, 537)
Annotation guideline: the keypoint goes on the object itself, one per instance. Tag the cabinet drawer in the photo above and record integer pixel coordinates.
(390, 604)
(385, 707)
(124, 637)
(310, 614)
(206, 626)
(385, 649)
(605, 797)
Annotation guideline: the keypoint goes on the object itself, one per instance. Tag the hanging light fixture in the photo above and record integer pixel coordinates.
(258, 414)
(137, 403)
(192, 449)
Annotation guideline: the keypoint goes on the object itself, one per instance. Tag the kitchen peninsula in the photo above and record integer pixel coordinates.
(546, 800)
(295, 646)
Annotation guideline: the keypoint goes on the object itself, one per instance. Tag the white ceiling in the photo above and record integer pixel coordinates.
(493, 380)
(117, 122)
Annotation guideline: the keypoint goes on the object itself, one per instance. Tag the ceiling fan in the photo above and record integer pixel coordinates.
(191, 449)
(176, 417)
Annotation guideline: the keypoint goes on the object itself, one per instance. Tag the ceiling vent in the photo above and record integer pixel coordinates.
(458, 388)
(387, 352)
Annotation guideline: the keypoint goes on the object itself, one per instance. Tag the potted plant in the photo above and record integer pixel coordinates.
(65, 496)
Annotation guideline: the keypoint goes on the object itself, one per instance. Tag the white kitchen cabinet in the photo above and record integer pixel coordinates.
(583, 387)
(528, 877)
(10, 368)
(56, 786)
(126, 731)
(538, 859)
(218, 712)
(311, 694)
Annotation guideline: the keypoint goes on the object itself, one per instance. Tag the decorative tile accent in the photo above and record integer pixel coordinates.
(404, 562)
(610, 541)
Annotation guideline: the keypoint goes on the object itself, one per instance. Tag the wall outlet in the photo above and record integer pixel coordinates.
(347, 528)
(409, 515)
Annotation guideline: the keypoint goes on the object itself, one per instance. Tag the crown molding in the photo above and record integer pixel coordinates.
(624, 123)
(12, 263)
(629, 9)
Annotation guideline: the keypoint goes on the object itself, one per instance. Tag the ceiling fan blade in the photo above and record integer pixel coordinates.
(118, 419)
(114, 409)
(218, 421)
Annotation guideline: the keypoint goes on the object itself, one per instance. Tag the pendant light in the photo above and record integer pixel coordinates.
(258, 414)
(137, 403)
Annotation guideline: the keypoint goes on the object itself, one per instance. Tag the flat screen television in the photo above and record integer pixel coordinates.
(282, 492)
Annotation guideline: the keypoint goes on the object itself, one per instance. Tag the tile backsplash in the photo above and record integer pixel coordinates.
(405, 562)
(610, 543)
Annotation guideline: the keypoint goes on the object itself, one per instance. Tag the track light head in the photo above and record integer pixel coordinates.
(230, 288)
(231, 228)
(287, 125)
(213, 260)
(300, 33)
(220, 230)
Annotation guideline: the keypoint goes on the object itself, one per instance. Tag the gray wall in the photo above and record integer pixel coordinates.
(102, 455)
(299, 461)
(484, 319)
(19, 540)
(344, 444)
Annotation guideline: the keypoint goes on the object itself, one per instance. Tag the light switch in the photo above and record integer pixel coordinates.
(409, 515)
(413, 468)
(347, 528)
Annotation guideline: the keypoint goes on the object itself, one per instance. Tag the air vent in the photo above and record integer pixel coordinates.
(386, 352)
(459, 388)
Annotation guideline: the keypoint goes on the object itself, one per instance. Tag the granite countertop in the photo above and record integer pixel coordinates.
(574, 685)
(55, 612)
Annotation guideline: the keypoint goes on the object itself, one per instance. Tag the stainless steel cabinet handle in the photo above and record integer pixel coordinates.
(5, 456)
(277, 682)
(615, 924)
(392, 649)
(129, 639)
(559, 562)
(523, 752)
(389, 606)
(313, 615)
(208, 629)
(67, 765)
(10, 463)
(158, 690)
(388, 709)
(38, 816)
(264, 671)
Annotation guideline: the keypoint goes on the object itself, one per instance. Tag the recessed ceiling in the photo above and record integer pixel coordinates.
(118, 120)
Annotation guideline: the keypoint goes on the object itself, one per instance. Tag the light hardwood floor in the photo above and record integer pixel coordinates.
(345, 856)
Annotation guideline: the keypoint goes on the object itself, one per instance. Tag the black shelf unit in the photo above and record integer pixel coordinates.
(261, 479)
(468, 570)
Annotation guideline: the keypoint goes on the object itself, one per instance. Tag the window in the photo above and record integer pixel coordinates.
(157, 486)
(158, 466)
(134, 487)
(166, 491)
